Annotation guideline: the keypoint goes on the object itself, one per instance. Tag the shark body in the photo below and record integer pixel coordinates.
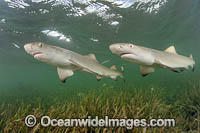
(149, 58)
(68, 61)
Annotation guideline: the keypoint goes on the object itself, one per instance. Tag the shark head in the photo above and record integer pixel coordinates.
(43, 52)
(122, 49)
(132, 53)
(37, 50)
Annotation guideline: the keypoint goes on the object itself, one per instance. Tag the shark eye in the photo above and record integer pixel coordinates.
(131, 46)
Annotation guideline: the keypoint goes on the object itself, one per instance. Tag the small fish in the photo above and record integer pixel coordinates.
(17, 46)
(106, 61)
(149, 58)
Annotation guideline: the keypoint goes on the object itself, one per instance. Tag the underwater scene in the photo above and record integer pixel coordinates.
(99, 66)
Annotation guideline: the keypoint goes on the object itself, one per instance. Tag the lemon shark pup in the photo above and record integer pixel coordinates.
(149, 58)
(67, 61)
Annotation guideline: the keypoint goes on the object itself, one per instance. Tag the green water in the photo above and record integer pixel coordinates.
(173, 23)
(90, 27)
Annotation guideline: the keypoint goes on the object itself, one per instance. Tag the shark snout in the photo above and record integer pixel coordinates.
(118, 49)
(115, 48)
(111, 47)
(28, 48)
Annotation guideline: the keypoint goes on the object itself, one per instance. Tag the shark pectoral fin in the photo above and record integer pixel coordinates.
(64, 73)
(145, 70)
(92, 56)
(193, 65)
(98, 77)
(171, 49)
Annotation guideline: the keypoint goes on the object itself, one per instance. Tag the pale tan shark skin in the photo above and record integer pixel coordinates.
(68, 61)
(149, 58)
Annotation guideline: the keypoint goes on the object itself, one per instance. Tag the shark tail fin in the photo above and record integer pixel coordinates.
(191, 56)
(120, 74)
(193, 66)
(115, 68)
(122, 69)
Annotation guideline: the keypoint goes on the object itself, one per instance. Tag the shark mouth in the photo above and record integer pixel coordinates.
(122, 54)
(37, 53)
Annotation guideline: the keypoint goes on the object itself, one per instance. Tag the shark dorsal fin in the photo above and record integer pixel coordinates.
(64, 73)
(171, 49)
(113, 67)
(92, 56)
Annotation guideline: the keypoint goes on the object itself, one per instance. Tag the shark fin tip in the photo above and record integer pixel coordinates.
(64, 74)
(63, 81)
(144, 75)
(193, 68)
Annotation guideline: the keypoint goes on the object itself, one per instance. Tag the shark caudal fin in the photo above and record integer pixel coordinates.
(112, 77)
(191, 56)
(64, 73)
(122, 69)
(193, 67)
(115, 68)
(120, 74)
(145, 70)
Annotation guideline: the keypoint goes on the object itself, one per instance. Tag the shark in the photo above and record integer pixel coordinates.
(149, 58)
(68, 61)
